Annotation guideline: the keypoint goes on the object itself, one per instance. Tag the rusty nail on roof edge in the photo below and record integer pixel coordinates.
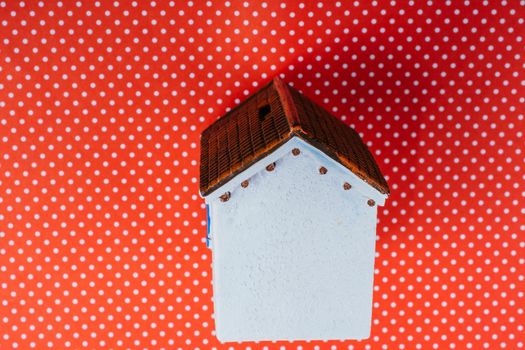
(323, 170)
(245, 183)
(225, 197)
(371, 202)
(270, 167)
(347, 186)
(296, 151)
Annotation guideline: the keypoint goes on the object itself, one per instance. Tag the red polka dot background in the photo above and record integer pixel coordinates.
(102, 230)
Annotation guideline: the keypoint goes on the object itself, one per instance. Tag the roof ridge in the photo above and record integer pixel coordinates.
(290, 111)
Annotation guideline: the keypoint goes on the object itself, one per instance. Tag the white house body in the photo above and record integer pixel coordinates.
(293, 249)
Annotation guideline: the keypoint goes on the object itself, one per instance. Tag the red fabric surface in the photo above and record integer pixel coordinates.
(101, 105)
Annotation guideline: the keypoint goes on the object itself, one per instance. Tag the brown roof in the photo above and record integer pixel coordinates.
(265, 121)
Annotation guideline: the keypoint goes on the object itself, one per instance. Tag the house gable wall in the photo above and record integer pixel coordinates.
(293, 252)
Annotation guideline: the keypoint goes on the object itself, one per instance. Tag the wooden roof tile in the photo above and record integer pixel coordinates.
(265, 121)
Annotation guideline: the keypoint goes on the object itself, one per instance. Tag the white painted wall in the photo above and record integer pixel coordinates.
(293, 253)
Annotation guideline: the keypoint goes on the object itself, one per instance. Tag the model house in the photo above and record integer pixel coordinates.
(292, 194)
